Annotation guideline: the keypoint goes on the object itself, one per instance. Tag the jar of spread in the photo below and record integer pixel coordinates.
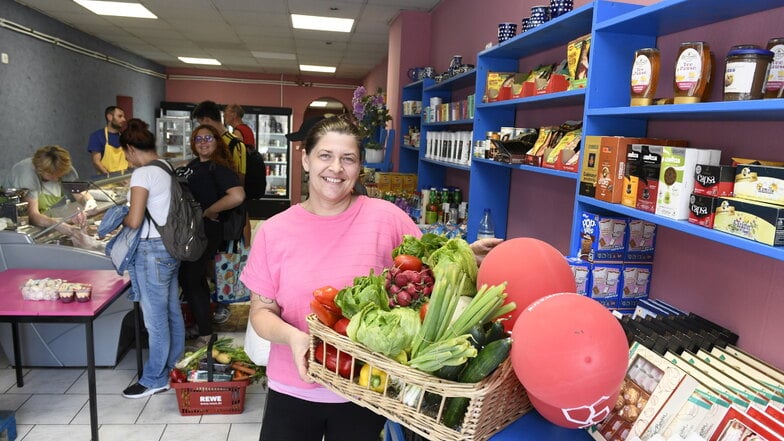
(746, 72)
(645, 76)
(692, 72)
(775, 85)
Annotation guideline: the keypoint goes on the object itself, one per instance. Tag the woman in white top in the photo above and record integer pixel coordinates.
(154, 271)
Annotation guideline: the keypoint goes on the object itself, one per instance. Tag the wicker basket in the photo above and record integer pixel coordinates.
(210, 398)
(495, 402)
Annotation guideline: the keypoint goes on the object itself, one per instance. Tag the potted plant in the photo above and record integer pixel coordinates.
(371, 115)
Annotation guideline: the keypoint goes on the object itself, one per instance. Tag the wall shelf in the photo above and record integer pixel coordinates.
(529, 168)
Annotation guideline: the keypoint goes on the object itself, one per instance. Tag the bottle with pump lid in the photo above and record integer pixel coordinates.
(692, 72)
(486, 226)
(774, 88)
(645, 76)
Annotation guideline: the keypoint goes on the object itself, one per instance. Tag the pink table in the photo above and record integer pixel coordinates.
(107, 287)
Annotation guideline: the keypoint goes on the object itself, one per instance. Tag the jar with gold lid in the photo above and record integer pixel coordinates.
(692, 72)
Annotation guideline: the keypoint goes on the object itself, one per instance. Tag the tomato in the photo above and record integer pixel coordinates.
(326, 296)
(423, 311)
(177, 376)
(341, 325)
(324, 313)
(408, 262)
(334, 362)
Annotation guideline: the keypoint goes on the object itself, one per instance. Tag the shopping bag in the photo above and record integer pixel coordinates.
(228, 267)
(257, 348)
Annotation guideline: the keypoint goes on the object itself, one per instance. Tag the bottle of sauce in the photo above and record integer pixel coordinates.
(692, 72)
(645, 76)
(775, 85)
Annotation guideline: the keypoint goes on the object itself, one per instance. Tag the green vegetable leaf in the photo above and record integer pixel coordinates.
(455, 251)
(421, 247)
(365, 290)
(387, 332)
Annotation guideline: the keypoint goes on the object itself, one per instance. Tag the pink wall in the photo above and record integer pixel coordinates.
(734, 288)
(296, 97)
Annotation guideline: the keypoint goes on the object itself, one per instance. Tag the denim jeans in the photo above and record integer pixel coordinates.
(154, 272)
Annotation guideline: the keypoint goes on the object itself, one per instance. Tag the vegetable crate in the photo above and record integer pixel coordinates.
(495, 402)
(210, 398)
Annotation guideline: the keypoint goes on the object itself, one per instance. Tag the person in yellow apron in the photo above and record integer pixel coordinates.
(42, 176)
(104, 144)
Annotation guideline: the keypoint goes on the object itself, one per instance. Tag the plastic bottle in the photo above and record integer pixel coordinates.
(486, 226)
(645, 76)
(692, 72)
(775, 84)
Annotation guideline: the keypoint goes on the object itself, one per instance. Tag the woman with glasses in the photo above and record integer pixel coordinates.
(216, 186)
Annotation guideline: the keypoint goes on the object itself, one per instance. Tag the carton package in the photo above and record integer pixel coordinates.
(611, 168)
(648, 185)
(602, 238)
(577, 57)
(689, 419)
(760, 183)
(777, 384)
(641, 241)
(499, 86)
(753, 220)
(750, 383)
(702, 210)
(746, 393)
(652, 392)
(676, 182)
(636, 282)
(714, 180)
(728, 395)
(605, 283)
(631, 175)
(738, 424)
(590, 165)
(581, 270)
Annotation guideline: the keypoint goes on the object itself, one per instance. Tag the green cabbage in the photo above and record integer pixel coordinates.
(421, 247)
(387, 332)
(455, 251)
(365, 290)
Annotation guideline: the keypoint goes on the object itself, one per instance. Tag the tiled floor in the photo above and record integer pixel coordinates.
(53, 405)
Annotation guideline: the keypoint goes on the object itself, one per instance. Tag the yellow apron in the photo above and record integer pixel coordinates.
(113, 157)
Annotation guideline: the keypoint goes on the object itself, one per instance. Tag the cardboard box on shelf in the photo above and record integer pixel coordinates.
(499, 86)
(676, 182)
(590, 165)
(648, 183)
(605, 283)
(702, 210)
(714, 180)
(578, 53)
(581, 270)
(603, 238)
(611, 168)
(760, 183)
(641, 241)
(750, 219)
(636, 283)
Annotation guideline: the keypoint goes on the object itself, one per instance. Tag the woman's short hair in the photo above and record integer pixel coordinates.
(221, 155)
(236, 109)
(138, 135)
(52, 159)
(334, 124)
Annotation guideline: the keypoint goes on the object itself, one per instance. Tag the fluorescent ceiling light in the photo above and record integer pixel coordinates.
(117, 9)
(318, 23)
(274, 55)
(318, 104)
(312, 68)
(191, 60)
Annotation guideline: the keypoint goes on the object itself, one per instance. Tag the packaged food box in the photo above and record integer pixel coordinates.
(641, 241)
(676, 182)
(611, 168)
(631, 176)
(577, 57)
(499, 86)
(714, 180)
(606, 283)
(760, 183)
(636, 282)
(582, 274)
(590, 165)
(702, 210)
(648, 182)
(750, 219)
(602, 238)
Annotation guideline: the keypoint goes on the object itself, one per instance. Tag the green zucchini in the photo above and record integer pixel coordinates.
(450, 373)
(486, 361)
(495, 332)
(477, 333)
(478, 368)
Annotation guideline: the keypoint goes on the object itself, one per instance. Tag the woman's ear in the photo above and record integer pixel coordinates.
(305, 161)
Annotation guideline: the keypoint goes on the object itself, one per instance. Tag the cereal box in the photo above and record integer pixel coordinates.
(603, 238)
(606, 283)
(640, 241)
(636, 281)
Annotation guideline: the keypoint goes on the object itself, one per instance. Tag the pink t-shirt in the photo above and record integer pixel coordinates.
(296, 252)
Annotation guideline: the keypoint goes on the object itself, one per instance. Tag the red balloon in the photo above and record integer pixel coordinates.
(532, 268)
(576, 417)
(569, 351)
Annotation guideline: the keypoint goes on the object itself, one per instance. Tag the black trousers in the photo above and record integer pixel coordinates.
(193, 278)
(291, 419)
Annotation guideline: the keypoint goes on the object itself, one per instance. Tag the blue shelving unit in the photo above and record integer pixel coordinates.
(409, 155)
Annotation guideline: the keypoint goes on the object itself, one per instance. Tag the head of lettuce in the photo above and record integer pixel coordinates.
(387, 332)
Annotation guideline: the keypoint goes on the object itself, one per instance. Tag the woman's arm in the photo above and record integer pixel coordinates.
(233, 198)
(135, 215)
(266, 321)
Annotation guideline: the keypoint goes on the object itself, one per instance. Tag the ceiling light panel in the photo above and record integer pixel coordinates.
(315, 68)
(117, 9)
(320, 23)
(206, 61)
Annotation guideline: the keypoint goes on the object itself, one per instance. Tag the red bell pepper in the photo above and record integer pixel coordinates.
(340, 363)
(324, 313)
(341, 325)
(326, 296)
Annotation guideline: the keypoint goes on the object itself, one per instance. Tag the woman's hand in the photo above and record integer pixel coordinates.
(211, 214)
(300, 344)
(483, 246)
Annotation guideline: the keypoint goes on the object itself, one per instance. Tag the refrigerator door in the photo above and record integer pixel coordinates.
(274, 146)
(172, 137)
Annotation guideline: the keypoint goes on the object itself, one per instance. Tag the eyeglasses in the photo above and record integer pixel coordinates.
(200, 139)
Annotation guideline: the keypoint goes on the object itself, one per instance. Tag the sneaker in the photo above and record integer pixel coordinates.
(222, 314)
(138, 391)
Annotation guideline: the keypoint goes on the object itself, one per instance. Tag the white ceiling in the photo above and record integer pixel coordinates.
(232, 30)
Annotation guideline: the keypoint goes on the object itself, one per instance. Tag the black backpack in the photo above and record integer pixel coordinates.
(183, 233)
(255, 170)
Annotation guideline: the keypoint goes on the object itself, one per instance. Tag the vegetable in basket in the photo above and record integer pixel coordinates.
(340, 363)
(365, 290)
(323, 305)
(420, 247)
(456, 251)
(384, 331)
(372, 378)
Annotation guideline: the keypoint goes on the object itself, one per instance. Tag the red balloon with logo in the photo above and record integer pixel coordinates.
(532, 268)
(571, 354)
